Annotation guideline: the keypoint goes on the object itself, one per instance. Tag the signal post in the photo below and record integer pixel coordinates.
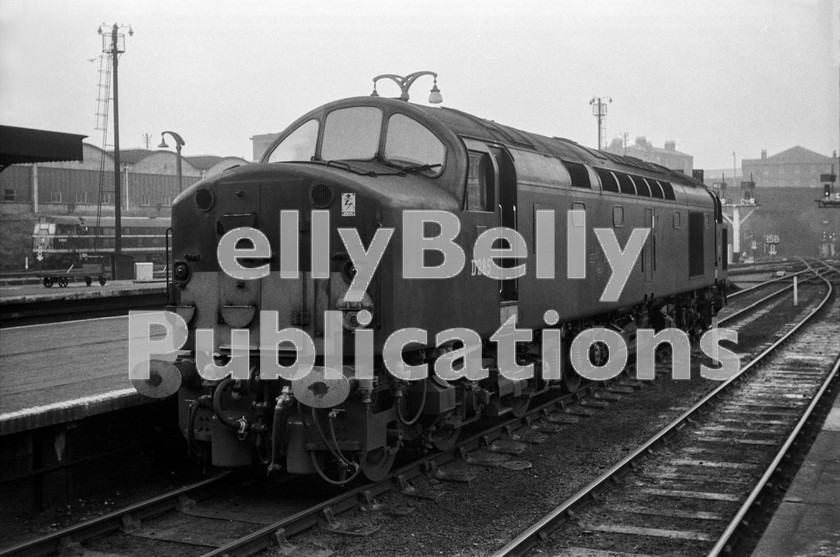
(830, 199)
(738, 212)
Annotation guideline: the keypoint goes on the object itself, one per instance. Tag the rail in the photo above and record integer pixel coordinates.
(724, 539)
(309, 517)
(550, 522)
(54, 542)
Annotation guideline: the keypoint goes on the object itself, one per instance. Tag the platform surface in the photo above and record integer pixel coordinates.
(61, 372)
(807, 522)
(77, 290)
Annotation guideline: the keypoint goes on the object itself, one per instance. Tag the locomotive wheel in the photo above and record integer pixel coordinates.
(88, 280)
(102, 280)
(445, 439)
(377, 463)
(62, 282)
(48, 282)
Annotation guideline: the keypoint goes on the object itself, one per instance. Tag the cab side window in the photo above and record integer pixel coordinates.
(480, 183)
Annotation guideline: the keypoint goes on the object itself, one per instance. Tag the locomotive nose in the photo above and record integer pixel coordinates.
(298, 267)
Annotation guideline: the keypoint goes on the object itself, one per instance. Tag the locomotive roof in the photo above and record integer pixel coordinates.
(468, 125)
(463, 124)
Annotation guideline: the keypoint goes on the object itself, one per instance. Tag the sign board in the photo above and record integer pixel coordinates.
(348, 204)
(771, 239)
(754, 245)
(772, 249)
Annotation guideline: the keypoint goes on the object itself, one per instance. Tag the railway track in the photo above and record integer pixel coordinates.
(178, 521)
(750, 301)
(180, 503)
(762, 266)
(687, 490)
(762, 285)
(68, 540)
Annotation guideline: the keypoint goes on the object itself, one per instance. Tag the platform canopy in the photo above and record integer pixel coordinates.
(24, 145)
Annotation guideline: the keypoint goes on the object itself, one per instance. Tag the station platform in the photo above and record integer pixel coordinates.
(61, 372)
(69, 415)
(807, 522)
(24, 293)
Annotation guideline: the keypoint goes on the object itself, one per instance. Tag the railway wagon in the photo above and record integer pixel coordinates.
(366, 163)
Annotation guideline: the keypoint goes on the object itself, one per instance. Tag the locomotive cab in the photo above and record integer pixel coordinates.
(356, 165)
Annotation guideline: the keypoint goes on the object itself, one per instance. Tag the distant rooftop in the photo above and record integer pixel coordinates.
(201, 162)
(794, 155)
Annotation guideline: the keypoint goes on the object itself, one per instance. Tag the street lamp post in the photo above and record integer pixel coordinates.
(405, 83)
(113, 44)
(179, 142)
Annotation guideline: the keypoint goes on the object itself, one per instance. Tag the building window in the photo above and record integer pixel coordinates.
(55, 196)
(145, 199)
(8, 195)
(81, 197)
(108, 198)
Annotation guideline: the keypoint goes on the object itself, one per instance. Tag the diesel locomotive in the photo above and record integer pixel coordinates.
(365, 162)
(63, 240)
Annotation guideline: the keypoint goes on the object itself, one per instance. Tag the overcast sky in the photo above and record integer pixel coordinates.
(715, 77)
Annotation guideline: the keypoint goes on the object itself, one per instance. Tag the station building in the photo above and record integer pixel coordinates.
(148, 178)
(149, 182)
(796, 167)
